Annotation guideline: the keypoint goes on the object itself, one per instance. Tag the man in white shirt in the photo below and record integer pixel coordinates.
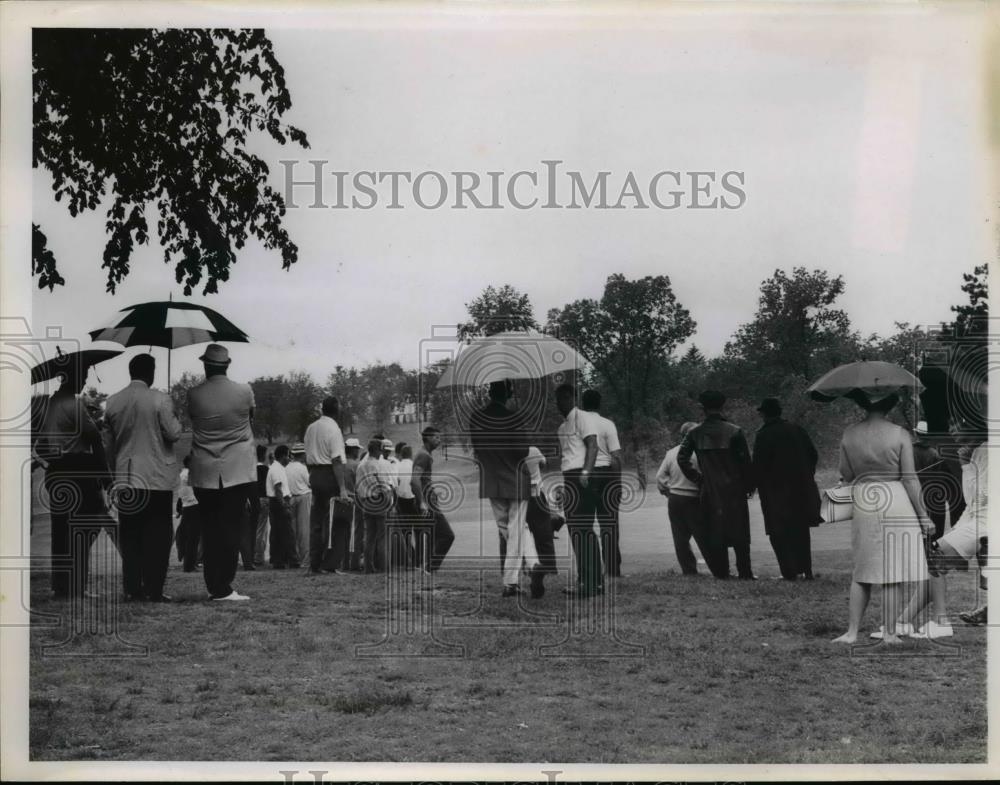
(607, 483)
(540, 514)
(298, 486)
(279, 500)
(578, 441)
(373, 493)
(684, 509)
(325, 457)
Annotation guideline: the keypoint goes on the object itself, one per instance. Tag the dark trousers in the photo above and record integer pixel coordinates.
(404, 530)
(145, 534)
(540, 525)
(434, 541)
(374, 547)
(77, 513)
(323, 483)
(686, 522)
(581, 510)
(222, 511)
(248, 536)
(743, 568)
(607, 495)
(794, 552)
(189, 537)
(338, 555)
(283, 553)
(357, 539)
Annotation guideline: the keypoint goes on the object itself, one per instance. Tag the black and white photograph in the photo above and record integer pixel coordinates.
(538, 392)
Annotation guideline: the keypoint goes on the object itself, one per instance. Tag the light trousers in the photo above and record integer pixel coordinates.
(511, 517)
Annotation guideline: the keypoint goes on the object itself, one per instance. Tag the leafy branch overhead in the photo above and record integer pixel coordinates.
(161, 119)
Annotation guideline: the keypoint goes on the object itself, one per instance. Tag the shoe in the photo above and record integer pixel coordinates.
(750, 577)
(933, 630)
(280, 567)
(233, 596)
(248, 568)
(133, 598)
(902, 628)
(91, 595)
(510, 591)
(976, 618)
(537, 582)
(160, 598)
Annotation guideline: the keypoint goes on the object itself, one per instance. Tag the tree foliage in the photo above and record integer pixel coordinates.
(161, 120)
(496, 311)
(795, 332)
(178, 394)
(629, 336)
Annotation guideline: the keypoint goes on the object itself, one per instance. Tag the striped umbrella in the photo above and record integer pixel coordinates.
(170, 325)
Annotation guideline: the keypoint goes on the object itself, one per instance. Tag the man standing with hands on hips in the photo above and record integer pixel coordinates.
(325, 456)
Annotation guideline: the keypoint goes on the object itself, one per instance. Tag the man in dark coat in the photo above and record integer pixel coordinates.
(725, 476)
(940, 481)
(784, 461)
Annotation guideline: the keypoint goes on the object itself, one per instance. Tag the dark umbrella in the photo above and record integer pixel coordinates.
(170, 325)
(872, 379)
(72, 364)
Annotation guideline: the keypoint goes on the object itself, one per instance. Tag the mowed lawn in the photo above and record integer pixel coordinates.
(663, 669)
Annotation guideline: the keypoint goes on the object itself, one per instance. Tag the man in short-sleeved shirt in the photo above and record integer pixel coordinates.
(578, 441)
(298, 486)
(223, 469)
(279, 499)
(325, 457)
(436, 542)
(607, 483)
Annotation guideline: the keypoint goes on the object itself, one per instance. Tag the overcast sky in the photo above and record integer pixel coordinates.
(861, 137)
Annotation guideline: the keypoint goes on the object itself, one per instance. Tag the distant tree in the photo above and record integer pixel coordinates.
(348, 386)
(496, 311)
(796, 331)
(300, 403)
(629, 336)
(971, 316)
(384, 390)
(178, 394)
(268, 419)
(162, 120)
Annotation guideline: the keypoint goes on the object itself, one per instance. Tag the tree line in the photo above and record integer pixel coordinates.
(637, 338)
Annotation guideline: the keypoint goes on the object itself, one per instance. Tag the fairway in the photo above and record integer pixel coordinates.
(662, 669)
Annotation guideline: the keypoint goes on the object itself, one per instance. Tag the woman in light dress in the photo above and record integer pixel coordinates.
(876, 457)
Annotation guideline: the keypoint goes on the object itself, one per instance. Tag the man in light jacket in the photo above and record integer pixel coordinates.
(141, 433)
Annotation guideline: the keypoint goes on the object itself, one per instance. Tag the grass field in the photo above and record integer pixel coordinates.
(665, 669)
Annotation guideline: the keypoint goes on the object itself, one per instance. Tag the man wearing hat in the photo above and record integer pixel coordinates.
(724, 475)
(784, 461)
(298, 486)
(223, 471)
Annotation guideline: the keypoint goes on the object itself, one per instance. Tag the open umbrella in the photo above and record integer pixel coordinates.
(168, 324)
(74, 363)
(871, 378)
(510, 355)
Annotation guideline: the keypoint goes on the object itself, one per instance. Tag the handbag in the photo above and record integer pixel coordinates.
(837, 504)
